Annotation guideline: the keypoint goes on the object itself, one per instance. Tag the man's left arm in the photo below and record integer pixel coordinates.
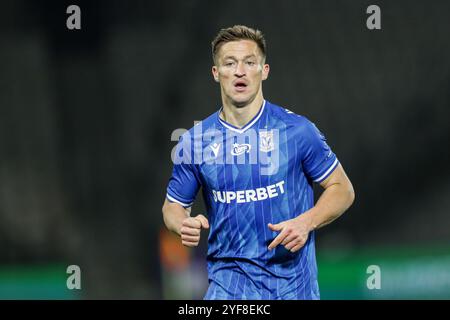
(337, 197)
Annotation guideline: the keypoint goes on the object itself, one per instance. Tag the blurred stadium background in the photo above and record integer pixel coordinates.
(86, 119)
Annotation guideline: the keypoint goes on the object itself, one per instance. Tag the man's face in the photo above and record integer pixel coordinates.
(240, 69)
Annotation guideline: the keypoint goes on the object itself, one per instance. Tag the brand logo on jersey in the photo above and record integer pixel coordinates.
(215, 149)
(249, 195)
(266, 143)
(239, 149)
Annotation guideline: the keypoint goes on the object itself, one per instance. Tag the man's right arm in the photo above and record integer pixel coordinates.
(178, 220)
(174, 214)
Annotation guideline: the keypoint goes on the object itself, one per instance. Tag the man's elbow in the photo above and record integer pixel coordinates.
(164, 207)
(350, 194)
(164, 211)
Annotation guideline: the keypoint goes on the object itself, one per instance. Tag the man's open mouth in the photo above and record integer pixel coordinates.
(240, 85)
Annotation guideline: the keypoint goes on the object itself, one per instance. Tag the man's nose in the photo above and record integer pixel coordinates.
(240, 70)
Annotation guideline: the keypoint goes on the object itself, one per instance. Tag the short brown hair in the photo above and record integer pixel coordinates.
(236, 33)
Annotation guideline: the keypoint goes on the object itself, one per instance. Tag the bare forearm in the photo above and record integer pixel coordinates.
(174, 215)
(333, 202)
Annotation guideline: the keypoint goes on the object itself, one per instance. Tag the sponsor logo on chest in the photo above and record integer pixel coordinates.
(249, 195)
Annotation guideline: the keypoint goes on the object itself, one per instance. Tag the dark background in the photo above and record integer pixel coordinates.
(86, 118)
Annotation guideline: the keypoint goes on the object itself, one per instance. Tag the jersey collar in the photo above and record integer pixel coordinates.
(248, 125)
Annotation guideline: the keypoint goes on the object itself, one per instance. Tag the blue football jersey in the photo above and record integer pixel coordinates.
(251, 176)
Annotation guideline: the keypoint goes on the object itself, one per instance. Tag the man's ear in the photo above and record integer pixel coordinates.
(215, 72)
(265, 71)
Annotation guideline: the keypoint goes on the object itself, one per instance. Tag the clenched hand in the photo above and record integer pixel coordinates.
(190, 230)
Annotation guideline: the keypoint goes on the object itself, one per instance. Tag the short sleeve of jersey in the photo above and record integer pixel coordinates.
(319, 161)
(184, 183)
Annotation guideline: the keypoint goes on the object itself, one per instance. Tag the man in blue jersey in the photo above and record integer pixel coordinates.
(256, 163)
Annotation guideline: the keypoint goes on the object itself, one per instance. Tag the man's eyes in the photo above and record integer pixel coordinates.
(249, 63)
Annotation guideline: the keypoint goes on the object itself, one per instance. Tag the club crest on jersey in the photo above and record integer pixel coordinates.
(239, 149)
(266, 142)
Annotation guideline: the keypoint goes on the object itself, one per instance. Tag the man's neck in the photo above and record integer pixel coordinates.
(240, 116)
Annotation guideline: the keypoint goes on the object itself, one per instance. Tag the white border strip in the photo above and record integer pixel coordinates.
(328, 171)
(179, 202)
(248, 125)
